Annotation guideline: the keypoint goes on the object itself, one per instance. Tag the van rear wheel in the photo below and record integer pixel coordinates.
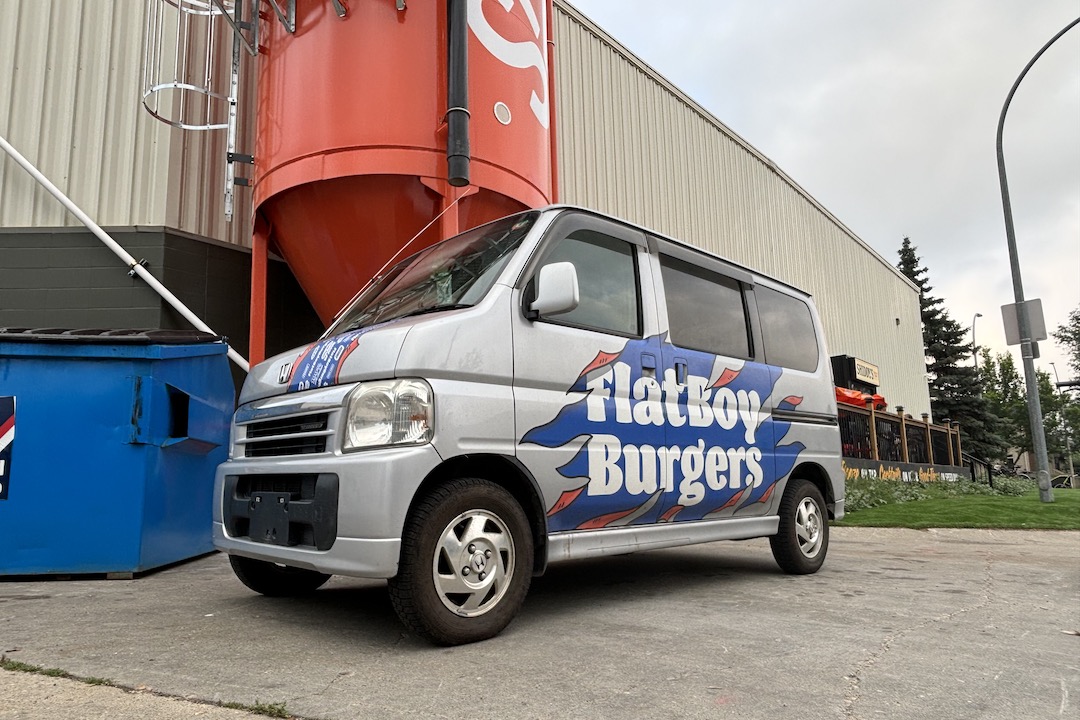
(466, 563)
(275, 580)
(800, 545)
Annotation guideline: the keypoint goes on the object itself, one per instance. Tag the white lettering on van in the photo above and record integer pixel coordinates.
(690, 470)
(648, 402)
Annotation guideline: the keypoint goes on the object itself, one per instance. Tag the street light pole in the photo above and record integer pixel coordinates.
(1038, 434)
(975, 347)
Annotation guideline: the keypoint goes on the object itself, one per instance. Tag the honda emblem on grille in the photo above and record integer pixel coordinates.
(283, 373)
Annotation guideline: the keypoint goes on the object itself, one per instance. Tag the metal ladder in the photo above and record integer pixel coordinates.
(184, 46)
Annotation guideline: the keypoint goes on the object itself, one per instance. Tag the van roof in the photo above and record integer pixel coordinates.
(682, 243)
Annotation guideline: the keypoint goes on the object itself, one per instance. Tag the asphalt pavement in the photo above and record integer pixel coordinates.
(898, 624)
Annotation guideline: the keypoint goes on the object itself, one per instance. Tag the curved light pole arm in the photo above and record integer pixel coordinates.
(1038, 435)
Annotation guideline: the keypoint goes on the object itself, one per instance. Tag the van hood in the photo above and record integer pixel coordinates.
(370, 353)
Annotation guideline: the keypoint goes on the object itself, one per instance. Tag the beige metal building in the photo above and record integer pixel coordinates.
(70, 101)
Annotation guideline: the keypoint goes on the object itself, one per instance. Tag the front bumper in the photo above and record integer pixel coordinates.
(360, 528)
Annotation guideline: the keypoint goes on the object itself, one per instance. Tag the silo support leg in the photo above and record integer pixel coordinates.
(450, 196)
(260, 239)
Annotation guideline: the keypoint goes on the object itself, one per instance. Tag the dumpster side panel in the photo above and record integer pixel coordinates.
(73, 505)
(190, 404)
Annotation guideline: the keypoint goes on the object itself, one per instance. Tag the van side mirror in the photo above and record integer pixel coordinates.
(556, 290)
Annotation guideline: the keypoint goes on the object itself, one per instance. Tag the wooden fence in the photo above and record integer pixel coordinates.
(897, 437)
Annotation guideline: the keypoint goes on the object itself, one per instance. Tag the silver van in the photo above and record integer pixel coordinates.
(551, 386)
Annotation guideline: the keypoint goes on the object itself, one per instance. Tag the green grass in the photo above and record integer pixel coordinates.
(16, 666)
(939, 509)
(274, 710)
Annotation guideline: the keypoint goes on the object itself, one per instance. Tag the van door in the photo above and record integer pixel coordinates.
(587, 397)
(719, 430)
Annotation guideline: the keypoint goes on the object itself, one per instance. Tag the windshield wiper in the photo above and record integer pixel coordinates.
(432, 309)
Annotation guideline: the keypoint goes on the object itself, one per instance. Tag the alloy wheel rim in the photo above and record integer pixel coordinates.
(473, 563)
(809, 530)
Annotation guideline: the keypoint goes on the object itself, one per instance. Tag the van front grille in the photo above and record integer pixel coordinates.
(285, 446)
(293, 435)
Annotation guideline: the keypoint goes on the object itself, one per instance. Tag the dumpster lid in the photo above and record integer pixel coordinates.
(108, 336)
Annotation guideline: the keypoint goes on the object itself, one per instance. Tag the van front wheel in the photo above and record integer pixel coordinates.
(466, 563)
(800, 545)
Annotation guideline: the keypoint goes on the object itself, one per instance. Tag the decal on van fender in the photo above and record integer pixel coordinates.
(320, 363)
(719, 452)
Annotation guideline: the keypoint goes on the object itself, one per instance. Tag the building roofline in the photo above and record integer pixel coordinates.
(600, 33)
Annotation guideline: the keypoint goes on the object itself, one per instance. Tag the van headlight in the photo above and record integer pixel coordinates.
(390, 412)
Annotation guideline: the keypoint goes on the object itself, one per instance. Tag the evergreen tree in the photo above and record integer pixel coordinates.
(955, 389)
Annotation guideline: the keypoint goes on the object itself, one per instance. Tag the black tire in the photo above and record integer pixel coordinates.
(276, 580)
(466, 563)
(802, 541)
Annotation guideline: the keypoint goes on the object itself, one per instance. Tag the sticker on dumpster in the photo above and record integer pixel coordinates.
(7, 440)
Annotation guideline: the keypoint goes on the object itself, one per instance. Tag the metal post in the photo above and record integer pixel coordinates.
(974, 346)
(873, 428)
(1038, 435)
(1073, 480)
(929, 437)
(903, 433)
(959, 444)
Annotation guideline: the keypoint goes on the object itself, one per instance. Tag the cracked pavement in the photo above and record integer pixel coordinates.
(898, 624)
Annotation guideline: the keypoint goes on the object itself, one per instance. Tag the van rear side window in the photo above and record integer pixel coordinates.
(705, 309)
(787, 330)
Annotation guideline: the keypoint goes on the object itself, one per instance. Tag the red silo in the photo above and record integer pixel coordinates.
(351, 149)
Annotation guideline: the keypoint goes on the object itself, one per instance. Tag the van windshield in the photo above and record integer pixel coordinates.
(453, 274)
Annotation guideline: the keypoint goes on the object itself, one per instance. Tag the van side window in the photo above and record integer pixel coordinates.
(787, 330)
(705, 309)
(607, 280)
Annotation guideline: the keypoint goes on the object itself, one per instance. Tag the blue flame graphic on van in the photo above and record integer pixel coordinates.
(657, 447)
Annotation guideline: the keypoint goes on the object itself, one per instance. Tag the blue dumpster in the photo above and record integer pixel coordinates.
(108, 444)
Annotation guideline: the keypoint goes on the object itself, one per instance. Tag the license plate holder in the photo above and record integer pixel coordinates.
(270, 518)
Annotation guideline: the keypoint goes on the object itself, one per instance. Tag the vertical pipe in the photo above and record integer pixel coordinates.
(552, 125)
(457, 94)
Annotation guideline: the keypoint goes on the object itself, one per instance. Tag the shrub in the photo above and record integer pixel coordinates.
(862, 493)
(1013, 485)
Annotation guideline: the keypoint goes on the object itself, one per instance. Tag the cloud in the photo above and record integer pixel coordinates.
(887, 114)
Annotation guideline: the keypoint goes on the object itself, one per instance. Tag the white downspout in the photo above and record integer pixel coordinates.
(123, 254)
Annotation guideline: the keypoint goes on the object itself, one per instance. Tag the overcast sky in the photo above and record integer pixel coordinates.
(886, 113)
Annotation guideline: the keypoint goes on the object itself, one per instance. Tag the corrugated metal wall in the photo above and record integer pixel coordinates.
(70, 102)
(633, 145)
